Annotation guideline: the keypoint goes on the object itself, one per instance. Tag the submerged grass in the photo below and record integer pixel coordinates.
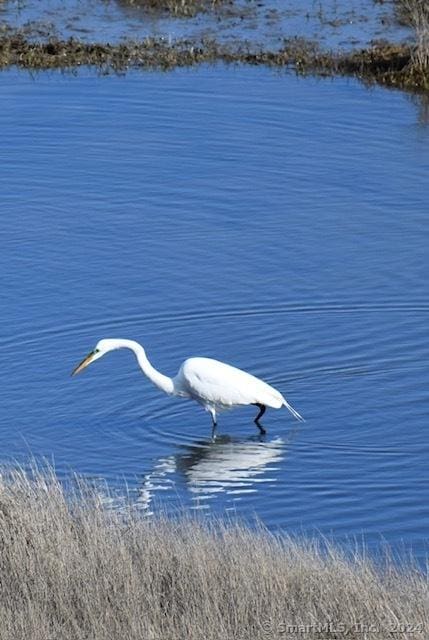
(178, 8)
(71, 568)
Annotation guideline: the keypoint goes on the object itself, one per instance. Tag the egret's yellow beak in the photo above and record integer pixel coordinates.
(85, 362)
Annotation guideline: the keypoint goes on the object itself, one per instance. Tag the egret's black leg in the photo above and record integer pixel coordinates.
(262, 409)
(214, 423)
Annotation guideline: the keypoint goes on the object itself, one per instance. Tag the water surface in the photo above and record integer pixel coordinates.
(276, 223)
(334, 24)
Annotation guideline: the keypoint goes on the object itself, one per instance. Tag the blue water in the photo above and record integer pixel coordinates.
(276, 223)
(339, 24)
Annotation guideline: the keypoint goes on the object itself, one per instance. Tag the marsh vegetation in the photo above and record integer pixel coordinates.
(70, 567)
(415, 13)
(178, 8)
(389, 65)
(403, 65)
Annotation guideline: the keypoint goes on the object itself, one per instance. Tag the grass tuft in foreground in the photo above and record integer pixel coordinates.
(70, 568)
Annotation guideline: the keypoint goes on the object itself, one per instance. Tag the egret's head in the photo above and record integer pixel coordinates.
(102, 347)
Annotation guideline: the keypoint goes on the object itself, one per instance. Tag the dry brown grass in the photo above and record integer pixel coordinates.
(70, 569)
(415, 13)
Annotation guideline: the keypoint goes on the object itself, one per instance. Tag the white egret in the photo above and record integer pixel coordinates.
(213, 384)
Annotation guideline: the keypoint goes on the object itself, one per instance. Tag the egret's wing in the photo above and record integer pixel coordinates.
(218, 383)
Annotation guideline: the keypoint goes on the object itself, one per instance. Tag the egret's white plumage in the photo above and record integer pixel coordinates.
(213, 384)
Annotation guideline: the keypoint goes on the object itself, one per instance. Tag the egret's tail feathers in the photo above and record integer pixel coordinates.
(293, 412)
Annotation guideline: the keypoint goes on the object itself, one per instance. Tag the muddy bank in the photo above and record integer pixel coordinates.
(386, 64)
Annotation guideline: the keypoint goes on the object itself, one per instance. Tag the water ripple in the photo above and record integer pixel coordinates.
(177, 318)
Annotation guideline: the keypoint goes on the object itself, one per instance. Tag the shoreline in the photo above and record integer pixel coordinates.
(389, 65)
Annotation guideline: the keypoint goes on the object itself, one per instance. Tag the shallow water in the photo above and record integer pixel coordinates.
(333, 23)
(276, 223)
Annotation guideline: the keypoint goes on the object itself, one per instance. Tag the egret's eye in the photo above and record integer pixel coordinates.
(96, 350)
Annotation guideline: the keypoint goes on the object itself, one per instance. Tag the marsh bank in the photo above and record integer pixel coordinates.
(38, 45)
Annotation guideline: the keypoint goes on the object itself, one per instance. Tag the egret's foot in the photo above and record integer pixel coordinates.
(262, 431)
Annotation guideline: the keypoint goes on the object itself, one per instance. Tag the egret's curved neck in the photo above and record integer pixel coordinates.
(161, 381)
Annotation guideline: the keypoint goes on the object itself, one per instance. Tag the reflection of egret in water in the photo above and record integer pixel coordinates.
(209, 468)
